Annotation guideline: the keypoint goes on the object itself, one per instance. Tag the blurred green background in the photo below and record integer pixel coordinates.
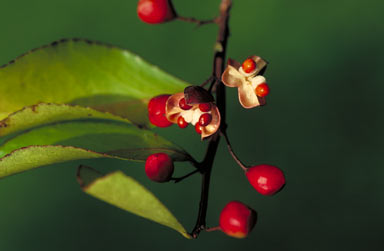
(323, 126)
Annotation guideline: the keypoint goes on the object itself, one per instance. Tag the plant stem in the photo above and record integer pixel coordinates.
(211, 80)
(217, 70)
(238, 161)
(211, 229)
(176, 180)
(196, 21)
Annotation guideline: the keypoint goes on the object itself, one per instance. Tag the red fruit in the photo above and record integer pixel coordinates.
(205, 119)
(159, 167)
(183, 104)
(155, 11)
(198, 128)
(181, 122)
(249, 65)
(237, 219)
(262, 90)
(266, 179)
(156, 111)
(205, 107)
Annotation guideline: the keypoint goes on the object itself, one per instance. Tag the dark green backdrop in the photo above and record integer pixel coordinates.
(322, 125)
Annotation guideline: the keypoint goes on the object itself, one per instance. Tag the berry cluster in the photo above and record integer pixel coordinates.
(236, 219)
(205, 117)
(247, 77)
(200, 117)
(249, 67)
(197, 108)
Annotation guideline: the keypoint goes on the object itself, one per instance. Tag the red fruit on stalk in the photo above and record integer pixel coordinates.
(198, 128)
(249, 65)
(205, 107)
(156, 111)
(181, 122)
(266, 179)
(155, 11)
(205, 119)
(159, 167)
(183, 104)
(237, 219)
(262, 90)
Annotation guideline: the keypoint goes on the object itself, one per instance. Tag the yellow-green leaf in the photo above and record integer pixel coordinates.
(126, 193)
(42, 114)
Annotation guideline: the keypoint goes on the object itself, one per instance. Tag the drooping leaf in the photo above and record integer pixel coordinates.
(31, 157)
(126, 193)
(85, 73)
(122, 140)
(43, 114)
(84, 139)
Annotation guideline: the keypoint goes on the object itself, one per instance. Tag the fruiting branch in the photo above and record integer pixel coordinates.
(217, 70)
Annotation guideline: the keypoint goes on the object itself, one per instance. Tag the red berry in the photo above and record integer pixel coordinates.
(249, 65)
(198, 128)
(156, 111)
(205, 119)
(183, 104)
(262, 90)
(237, 219)
(266, 179)
(205, 107)
(155, 11)
(159, 167)
(181, 122)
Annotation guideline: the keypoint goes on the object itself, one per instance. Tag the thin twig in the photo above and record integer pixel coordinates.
(217, 70)
(176, 180)
(211, 79)
(211, 229)
(194, 162)
(196, 21)
(234, 156)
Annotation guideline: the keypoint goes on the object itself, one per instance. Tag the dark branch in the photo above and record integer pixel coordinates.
(176, 180)
(217, 70)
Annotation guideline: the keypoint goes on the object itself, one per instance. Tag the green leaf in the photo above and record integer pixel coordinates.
(85, 73)
(42, 114)
(35, 156)
(83, 140)
(126, 193)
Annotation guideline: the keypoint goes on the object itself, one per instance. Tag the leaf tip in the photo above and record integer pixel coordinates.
(86, 176)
